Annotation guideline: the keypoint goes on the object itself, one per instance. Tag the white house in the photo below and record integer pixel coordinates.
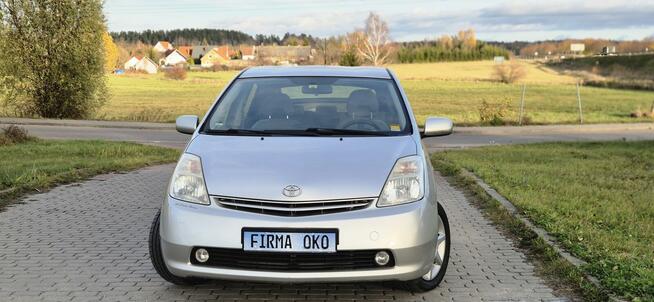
(175, 58)
(147, 65)
(163, 46)
(131, 64)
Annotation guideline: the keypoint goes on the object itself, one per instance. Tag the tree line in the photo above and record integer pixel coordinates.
(463, 46)
(186, 36)
(209, 36)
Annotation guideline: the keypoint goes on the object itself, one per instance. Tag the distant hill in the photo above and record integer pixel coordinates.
(624, 71)
(185, 36)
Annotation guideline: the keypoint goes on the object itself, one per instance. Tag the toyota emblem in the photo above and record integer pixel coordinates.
(292, 191)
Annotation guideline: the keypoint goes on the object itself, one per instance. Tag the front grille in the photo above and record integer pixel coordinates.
(293, 208)
(291, 262)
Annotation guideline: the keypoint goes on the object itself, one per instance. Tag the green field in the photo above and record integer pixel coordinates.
(41, 164)
(596, 198)
(455, 90)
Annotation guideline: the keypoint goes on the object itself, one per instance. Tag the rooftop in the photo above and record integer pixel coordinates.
(316, 71)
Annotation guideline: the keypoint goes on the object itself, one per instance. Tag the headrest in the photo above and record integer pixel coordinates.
(362, 100)
(274, 105)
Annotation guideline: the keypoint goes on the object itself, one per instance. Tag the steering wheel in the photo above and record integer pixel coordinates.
(366, 122)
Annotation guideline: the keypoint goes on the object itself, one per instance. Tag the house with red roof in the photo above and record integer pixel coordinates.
(163, 46)
(187, 51)
(144, 64)
(218, 56)
(175, 58)
(131, 63)
(248, 52)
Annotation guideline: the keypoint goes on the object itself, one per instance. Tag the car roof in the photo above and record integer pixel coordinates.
(316, 71)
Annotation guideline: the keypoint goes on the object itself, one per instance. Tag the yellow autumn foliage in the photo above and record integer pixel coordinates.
(110, 52)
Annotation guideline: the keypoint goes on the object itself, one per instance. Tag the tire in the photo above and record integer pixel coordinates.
(422, 285)
(156, 257)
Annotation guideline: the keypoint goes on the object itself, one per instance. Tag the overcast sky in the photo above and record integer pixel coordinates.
(408, 19)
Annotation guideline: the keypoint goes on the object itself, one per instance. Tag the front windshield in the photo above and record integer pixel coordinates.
(310, 105)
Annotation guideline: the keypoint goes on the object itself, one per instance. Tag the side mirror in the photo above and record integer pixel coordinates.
(186, 124)
(437, 126)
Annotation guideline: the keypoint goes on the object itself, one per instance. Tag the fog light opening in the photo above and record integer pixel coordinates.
(382, 258)
(201, 255)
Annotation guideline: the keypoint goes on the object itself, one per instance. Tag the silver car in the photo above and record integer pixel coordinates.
(305, 174)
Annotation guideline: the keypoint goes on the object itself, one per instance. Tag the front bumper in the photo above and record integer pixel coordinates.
(408, 231)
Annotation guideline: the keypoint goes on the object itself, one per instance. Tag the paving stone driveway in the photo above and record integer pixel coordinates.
(88, 242)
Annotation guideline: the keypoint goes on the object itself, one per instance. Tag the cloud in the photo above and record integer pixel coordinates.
(413, 20)
(324, 24)
(584, 15)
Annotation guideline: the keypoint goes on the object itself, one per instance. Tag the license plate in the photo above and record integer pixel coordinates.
(309, 241)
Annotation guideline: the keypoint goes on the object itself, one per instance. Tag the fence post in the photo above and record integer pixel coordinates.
(522, 103)
(581, 113)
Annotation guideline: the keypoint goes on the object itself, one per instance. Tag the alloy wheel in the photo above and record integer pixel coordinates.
(439, 254)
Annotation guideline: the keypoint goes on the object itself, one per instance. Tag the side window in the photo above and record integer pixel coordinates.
(230, 113)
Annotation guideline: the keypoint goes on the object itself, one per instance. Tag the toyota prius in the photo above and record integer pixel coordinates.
(305, 174)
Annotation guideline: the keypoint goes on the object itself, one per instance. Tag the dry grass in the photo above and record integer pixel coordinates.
(476, 71)
(455, 90)
(14, 135)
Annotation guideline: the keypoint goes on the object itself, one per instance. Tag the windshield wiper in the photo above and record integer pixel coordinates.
(232, 131)
(305, 132)
(336, 131)
(238, 132)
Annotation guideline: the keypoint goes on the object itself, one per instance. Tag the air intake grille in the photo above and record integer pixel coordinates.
(293, 208)
(292, 262)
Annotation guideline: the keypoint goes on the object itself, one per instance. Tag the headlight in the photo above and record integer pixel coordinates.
(405, 184)
(187, 183)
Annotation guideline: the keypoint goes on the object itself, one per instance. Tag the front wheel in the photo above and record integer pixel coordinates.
(156, 257)
(433, 278)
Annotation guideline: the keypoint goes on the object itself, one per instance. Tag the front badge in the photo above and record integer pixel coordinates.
(292, 191)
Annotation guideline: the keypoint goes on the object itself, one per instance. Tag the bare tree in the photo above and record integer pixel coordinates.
(373, 43)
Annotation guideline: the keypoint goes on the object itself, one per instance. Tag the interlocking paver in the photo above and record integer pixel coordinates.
(88, 242)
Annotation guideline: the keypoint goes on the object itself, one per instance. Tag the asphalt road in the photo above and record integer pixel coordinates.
(463, 137)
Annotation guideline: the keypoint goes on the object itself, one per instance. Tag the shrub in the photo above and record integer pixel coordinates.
(509, 73)
(14, 135)
(62, 81)
(218, 67)
(175, 73)
(637, 113)
(494, 113)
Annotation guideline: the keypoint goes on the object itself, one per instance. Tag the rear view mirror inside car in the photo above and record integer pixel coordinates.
(317, 89)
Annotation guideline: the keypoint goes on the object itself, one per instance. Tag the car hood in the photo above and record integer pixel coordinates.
(323, 167)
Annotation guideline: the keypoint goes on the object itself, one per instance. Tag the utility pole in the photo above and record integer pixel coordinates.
(522, 104)
(324, 49)
(581, 113)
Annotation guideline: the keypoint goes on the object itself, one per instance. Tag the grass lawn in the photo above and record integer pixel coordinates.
(596, 198)
(41, 164)
(455, 90)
